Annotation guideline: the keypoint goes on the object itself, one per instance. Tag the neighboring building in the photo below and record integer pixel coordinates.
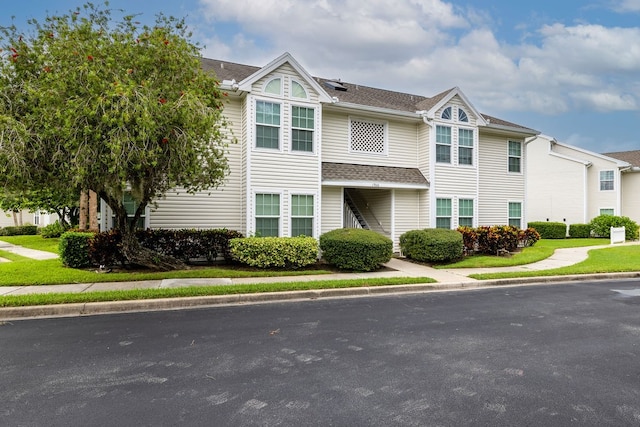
(317, 154)
(25, 217)
(572, 185)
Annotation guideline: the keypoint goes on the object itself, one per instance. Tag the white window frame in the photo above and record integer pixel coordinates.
(256, 124)
(255, 213)
(509, 217)
(314, 130)
(268, 82)
(472, 147)
(450, 217)
(613, 211)
(306, 92)
(450, 144)
(313, 216)
(612, 180)
(509, 157)
(473, 207)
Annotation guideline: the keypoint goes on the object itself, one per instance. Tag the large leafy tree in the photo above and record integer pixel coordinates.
(99, 102)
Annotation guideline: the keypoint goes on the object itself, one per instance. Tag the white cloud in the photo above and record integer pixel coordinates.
(426, 46)
(623, 6)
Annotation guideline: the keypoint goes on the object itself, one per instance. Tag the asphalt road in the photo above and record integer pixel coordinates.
(552, 355)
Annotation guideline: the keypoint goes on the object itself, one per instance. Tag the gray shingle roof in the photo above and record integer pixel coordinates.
(350, 172)
(631, 157)
(355, 93)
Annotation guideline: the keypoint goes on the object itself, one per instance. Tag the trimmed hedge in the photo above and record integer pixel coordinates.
(432, 245)
(187, 245)
(19, 230)
(550, 230)
(284, 252)
(355, 249)
(601, 226)
(74, 249)
(52, 230)
(580, 231)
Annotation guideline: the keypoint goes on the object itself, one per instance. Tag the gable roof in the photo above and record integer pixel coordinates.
(356, 94)
(631, 157)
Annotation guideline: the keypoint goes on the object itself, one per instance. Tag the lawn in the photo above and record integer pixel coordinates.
(544, 248)
(606, 260)
(34, 242)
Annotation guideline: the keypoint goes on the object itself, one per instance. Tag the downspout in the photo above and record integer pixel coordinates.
(427, 118)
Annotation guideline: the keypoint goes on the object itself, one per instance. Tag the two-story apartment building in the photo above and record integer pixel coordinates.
(317, 154)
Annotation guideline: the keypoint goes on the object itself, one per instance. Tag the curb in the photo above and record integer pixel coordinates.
(112, 307)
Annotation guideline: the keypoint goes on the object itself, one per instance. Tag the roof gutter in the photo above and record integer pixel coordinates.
(406, 114)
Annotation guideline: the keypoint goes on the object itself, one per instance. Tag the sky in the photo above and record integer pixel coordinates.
(567, 68)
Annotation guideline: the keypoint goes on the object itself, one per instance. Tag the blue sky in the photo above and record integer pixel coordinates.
(568, 68)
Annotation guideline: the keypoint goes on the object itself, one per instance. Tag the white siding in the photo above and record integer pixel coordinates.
(630, 199)
(498, 187)
(410, 211)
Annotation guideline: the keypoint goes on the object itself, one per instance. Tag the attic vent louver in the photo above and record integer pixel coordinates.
(335, 86)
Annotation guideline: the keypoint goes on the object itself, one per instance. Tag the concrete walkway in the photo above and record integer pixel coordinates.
(449, 279)
(25, 252)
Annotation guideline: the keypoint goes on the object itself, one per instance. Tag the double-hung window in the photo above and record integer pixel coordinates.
(606, 180)
(515, 156)
(443, 213)
(268, 215)
(301, 215)
(465, 212)
(515, 214)
(267, 125)
(465, 147)
(302, 125)
(443, 144)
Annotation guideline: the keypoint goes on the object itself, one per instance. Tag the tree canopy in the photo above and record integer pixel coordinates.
(107, 104)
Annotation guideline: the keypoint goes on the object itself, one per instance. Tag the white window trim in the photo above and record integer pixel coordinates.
(474, 157)
(385, 124)
(306, 90)
(474, 219)
(316, 127)
(254, 121)
(314, 217)
(521, 157)
(452, 151)
(256, 191)
(522, 212)
(606, 208)
(266, 83)
(613, 179)
(452, 217)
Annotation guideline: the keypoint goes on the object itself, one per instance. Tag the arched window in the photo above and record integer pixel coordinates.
(274, 87)
(446, 114)
(297, 90)
(462, 116)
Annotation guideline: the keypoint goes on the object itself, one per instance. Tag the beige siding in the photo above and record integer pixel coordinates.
(423, 148)
(401, 142)
(221, 207)
(555, 186)
(457, 103)
(410, 212)
(288, 74)
(630, 196)
(331, 208)
(455, 180)
(498, 187)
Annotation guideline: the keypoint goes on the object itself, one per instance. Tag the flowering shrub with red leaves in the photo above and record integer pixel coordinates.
(496, 239)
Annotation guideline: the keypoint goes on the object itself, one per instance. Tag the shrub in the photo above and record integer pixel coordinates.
(528, 237)
(105, 248)
(469, 239)
(74, 249)
(432, 245)
(601, 226)
(355, 249)
(19, 230)
(497, 239)
(265, 252)
(580, 231)
(52, 230)
(550, 230)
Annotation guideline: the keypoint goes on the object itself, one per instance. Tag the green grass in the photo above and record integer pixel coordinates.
(34, 242)
(138, 294)
(606, 260)
(541, 250)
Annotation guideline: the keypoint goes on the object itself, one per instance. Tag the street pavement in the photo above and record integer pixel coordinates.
(396, 267)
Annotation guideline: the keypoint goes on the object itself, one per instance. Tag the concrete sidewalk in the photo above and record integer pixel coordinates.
(446, 279)
(25, 252)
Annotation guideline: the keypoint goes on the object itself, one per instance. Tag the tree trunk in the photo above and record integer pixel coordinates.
(136, 254)
(15, 218)
(84, 208)
(93, 210)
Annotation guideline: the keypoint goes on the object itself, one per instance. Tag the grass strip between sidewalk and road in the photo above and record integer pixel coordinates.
(194, 291)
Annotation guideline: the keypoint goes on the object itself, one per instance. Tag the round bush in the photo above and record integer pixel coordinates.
(432, 245)
(355, 249)
(601, 226)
